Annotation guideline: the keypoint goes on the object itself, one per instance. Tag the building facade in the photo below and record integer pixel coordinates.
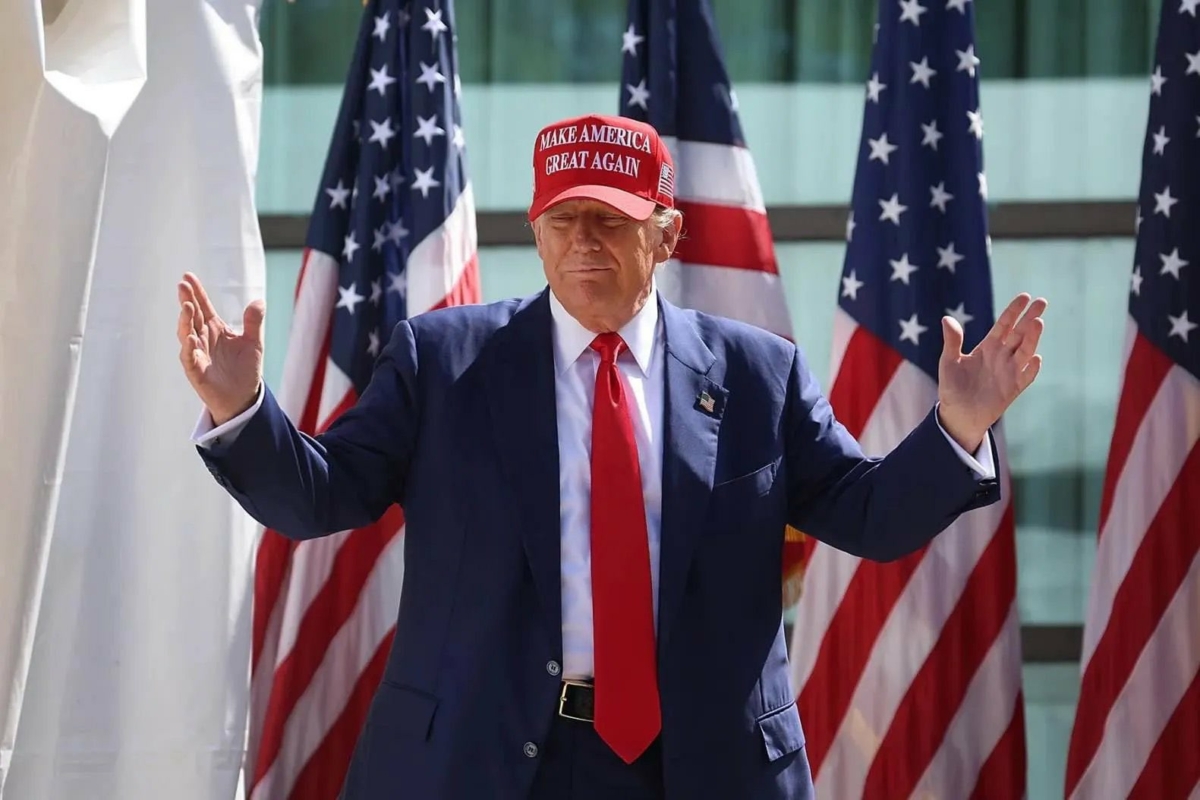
(1065, 91)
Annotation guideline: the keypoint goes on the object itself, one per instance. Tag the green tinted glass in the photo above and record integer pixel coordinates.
(766, 41)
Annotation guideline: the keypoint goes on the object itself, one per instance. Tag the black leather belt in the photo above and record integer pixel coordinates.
(577, 701)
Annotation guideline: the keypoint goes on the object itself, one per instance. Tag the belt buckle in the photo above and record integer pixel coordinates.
(562, 699)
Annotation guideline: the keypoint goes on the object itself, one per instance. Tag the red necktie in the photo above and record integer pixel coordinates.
(627, 714)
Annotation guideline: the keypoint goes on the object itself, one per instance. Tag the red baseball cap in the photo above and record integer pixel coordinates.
(616, 160)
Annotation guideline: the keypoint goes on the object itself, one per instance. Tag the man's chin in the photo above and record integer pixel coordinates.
(589, 290)
(593, 281)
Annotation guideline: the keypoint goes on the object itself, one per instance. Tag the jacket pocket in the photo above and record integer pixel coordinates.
(736, 504)
(752, 484)
(403, 713)
(781, 731)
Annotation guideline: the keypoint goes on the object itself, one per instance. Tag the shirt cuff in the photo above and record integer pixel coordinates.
(207, 436)
(981, 462)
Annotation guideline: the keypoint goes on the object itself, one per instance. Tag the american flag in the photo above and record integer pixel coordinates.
(673, 76)
(909, 672)
(1137, 727)
(392, 235)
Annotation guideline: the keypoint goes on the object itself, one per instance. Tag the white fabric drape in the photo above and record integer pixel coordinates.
(128, 155)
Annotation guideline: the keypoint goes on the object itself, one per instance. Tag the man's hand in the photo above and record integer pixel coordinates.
(224, 367)
(975, 389)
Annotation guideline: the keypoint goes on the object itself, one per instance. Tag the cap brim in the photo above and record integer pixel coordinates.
(630, 205)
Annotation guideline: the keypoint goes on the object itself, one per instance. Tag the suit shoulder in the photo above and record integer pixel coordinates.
(733, 338)
(466, 325)
(493, 315)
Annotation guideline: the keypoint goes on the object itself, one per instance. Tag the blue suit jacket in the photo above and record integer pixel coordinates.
(458, 426)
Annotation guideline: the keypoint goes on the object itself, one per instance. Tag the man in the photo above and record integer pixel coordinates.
(596, 485)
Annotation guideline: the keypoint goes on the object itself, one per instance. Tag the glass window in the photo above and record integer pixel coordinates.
(769, 41)
(283, 268)
(1051, 696)
(804, 139)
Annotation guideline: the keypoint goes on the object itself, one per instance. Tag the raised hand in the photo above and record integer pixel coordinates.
(223, 366)
(976, 388)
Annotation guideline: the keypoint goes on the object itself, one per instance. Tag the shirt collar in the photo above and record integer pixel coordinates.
(571, 339)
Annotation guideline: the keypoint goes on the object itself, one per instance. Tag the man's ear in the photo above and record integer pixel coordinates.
(669, 240)
(537, 234)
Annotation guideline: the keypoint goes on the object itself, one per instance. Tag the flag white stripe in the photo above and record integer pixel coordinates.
(1162, 674)
(894, 415)
(312, 564)
(901, 649)
(260, 685)
(981, 720)
(862, 728)
(905, 402)
(333, 393)
(310, 324)
(844, 328)
(719, 174)
(1168, 432)
(438, 261)
(821, 601)
(347, 655)
(915, 623)
(747, 295)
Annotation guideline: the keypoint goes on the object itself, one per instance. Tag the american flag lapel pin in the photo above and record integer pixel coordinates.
(707, 404)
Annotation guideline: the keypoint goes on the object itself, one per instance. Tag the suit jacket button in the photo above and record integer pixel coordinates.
(553, 668)
(531, 750)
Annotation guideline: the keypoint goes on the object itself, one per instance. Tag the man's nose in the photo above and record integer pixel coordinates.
(584, 235)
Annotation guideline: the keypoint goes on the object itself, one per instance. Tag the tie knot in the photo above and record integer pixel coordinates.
(609, 346)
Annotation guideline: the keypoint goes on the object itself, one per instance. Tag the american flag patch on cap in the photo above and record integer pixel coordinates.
(666, 181)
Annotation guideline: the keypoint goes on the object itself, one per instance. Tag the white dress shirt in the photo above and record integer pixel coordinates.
(575, 364)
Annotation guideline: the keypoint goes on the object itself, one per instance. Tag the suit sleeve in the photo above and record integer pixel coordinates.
(875, 508)
(308, 486)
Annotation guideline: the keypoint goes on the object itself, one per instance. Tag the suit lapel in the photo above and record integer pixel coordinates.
(692, 418)
(521, 399)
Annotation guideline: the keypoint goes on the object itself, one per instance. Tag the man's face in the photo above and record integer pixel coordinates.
(600, 263)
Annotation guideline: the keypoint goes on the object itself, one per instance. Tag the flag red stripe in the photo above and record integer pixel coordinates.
(325, 615)
(270, 572)
(320, 622)
(323, 773)
(847, 647)
(806, 549)
(726, 236)
(937, 690)
(1173, 767)
(274, 555)
(1003, 773)
(1145, 371)
(1154, 576)
(304, 256)
(868, 366)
